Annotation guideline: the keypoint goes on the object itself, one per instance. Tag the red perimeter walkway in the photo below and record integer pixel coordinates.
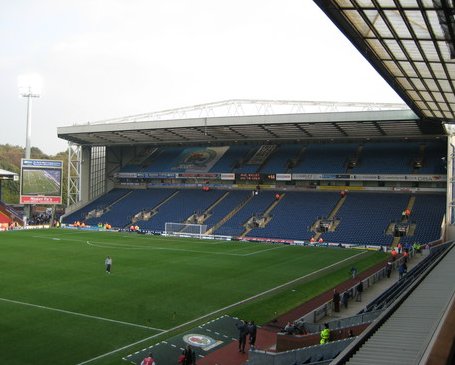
(266, 335)
(230, 355)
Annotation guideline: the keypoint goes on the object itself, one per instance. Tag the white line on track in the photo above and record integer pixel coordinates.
(81, 314)
(219, 310)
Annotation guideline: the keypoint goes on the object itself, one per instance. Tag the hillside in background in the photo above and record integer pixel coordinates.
(10, 159)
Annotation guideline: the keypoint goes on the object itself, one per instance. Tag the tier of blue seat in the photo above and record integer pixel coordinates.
(230, 158)
(387, 158)
(293, 217)
(365, 217)
(427, 213)
(99, 203)
(257, 205)
(325, 158)
(278, 161)
(120, 214)
(232, 200)
(434, 159)
(375, 158)
(181, 207)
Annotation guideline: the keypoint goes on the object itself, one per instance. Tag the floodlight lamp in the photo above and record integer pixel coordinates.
(30, 85)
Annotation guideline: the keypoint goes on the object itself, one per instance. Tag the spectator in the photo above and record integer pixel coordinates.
(345, 299)
(389, 269)
(359, 288)
(353, 272)
(289, 328)
(405, 256)
(243, 331)
(394, 254)
(252, 329)
(325, 334)
(181, 358)
(189, 356)
(336, 300)
(148, 360)
(402, 269)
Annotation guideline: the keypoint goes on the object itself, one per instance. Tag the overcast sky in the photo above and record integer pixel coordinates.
(103, 59)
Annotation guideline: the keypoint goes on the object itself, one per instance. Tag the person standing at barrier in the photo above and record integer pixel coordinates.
(405, 256)
(325, 334)
(252, 329)
(345, 299)
(243, 331)
(359, 289)
(388, 269)
(394, 254)
(402, 269)
(336, 300)
(189, 356)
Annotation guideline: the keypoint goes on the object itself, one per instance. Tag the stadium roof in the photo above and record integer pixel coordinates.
(298, 127)
(410, 43)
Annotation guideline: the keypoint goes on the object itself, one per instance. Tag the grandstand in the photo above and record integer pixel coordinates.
(246, 207)
(342, 177)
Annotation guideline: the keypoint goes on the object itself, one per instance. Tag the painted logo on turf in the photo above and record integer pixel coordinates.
(198, 340)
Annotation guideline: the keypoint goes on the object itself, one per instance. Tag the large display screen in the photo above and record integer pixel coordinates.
(41, 181)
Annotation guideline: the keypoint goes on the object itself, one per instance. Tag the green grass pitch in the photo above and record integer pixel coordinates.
(59, 306)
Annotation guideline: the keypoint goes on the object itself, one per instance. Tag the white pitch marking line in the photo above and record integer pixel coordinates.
(218, 310)
(114, 246)
(261, 251)
(80, 314)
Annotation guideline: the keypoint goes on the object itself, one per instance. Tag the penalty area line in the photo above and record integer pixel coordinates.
(220, 310)
(261, 251)
(80, 314)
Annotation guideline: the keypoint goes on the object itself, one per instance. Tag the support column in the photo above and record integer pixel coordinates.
(85, 179)
(74, 173)
(450, 200)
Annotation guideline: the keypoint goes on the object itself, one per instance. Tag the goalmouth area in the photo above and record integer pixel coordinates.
(60, 306)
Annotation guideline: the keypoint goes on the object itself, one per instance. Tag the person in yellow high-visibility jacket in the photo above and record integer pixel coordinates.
(325, 334)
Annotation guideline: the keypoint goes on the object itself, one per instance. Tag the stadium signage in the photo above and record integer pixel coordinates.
(366, 177)
(228, 176)
(198, 175)
(41, 181)
(277, 177)
(255, 176)
(40, 200)
(283, 177)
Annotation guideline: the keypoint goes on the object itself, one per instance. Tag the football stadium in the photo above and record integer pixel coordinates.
(258, 232)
